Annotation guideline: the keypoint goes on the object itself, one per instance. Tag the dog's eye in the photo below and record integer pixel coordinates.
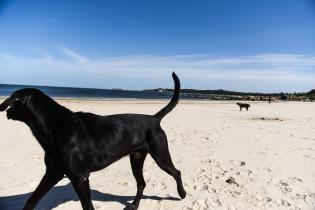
(16, 100)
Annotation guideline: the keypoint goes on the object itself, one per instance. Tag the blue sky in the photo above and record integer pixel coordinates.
(244, 45)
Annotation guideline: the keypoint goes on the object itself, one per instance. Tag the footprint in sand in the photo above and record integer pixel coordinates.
(306, 197)
(207, 161)
(123, 184)
(282, 183)
(285, 187)
(159, 185)
(267, 199)
(202, 181)
(295, 179)
(235, 193)
(231, 180)
(213, 202)
(285, 203)
(198, 204)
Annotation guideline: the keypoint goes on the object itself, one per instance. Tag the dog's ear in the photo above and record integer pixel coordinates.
(5, 104)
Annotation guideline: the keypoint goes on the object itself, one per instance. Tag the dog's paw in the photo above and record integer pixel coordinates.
(182, 193)
(131, 207)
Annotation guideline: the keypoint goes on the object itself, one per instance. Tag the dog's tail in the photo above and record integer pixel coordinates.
(174, 100)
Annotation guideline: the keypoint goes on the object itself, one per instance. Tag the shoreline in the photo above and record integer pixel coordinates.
(185, 100)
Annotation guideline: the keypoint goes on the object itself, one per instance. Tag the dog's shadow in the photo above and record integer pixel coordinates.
(61, 194)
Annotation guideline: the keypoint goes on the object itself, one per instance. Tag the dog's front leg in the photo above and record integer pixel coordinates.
(48, 181)
(82, 188)
(137, 160)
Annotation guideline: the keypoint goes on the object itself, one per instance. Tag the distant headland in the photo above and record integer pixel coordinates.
(159, 93)
(246, 96)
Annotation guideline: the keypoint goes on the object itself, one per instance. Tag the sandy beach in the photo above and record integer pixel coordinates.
(260, 159)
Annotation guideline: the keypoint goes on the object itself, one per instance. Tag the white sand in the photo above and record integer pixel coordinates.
(208, 141)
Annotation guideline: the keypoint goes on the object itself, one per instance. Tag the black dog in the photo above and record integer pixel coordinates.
(243, 105)
(78, 143)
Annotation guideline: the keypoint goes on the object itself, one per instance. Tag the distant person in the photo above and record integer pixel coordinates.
(269, 99)
(243, 105)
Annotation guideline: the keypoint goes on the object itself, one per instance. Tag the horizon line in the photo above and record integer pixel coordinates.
(121, 89)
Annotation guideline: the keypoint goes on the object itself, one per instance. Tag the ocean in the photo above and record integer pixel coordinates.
(87, 93)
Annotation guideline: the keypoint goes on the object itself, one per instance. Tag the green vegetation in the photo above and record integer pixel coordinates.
(233, 95)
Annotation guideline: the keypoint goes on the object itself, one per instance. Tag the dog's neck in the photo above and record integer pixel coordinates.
(45, 123)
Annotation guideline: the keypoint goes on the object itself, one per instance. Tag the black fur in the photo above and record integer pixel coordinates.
(243, 105)
(78, 143)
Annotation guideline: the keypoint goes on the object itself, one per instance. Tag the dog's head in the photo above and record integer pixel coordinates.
(19, 104)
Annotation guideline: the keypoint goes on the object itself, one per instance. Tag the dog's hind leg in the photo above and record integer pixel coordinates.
(160, 153)
(82, 188)
(136, 161)
(48, 181)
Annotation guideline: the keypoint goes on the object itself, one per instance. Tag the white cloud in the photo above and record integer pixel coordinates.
(268, 72)
(74, 55)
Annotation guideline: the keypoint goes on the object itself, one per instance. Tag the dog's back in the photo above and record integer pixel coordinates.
(105, 139)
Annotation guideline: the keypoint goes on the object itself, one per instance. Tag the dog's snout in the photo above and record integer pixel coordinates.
(3, 106)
